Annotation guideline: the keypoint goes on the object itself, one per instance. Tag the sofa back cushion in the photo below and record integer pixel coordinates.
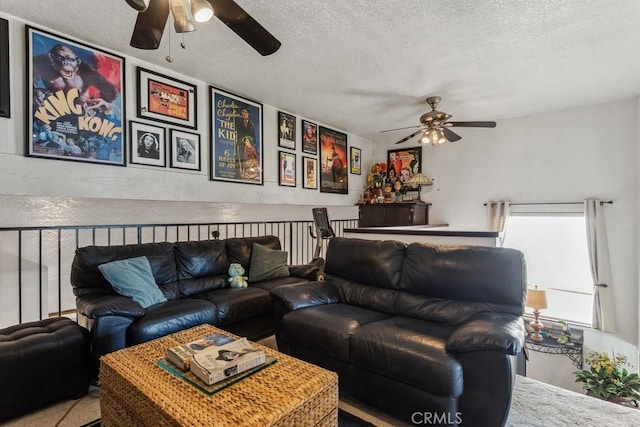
(367, 272)
(239, 249)
(86, 279)
(451, 283)
(202, 266)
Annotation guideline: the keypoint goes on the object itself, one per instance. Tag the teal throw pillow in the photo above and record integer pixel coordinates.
(132, 277)
(267, 264)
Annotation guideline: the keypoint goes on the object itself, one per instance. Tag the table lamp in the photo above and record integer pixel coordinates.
(419, 179)
(536, 299)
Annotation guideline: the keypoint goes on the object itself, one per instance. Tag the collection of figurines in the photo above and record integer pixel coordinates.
(383, 187)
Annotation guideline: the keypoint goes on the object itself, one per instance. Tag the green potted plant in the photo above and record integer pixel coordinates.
(608, 379)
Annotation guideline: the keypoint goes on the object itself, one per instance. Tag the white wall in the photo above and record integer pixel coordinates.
(565, 155)
(20, 175)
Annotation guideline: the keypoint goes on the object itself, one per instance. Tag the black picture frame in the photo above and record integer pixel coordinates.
(185, 150)
(309, 173)
(309, 137)
(230, 159)
(68, 124)
(139, 133)
(286, 130)
(355, 161)
(334, 163)
(5, 82)
(405, 162)
(165, 99)
(286, 169)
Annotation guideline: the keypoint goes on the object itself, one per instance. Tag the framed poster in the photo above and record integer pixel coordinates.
(236, 138)
(333, 161)
(75, 100)
(165, 99)
(355, 157)
(286, 130)
(185, 150)
(309, 137)
(5, 98)
(148, 144)
(402, 164)
(309, 173)
(287, 169)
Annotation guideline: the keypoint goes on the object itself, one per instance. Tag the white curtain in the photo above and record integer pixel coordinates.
(603, 304)
(498, 212)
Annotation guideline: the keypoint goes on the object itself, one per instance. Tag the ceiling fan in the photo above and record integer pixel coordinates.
(434, 126)
(153, 14)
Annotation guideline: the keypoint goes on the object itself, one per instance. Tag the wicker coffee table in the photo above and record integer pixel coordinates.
(135, 391)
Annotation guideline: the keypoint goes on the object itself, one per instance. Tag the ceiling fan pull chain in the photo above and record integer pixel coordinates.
(169, 58)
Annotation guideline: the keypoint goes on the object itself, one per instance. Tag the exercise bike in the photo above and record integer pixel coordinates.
(323, 231)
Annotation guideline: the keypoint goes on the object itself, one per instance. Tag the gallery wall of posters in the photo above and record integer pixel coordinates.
(75, 93)
(333, 161)
(236, 138)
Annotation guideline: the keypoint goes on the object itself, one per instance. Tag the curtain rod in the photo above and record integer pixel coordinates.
(609, 202)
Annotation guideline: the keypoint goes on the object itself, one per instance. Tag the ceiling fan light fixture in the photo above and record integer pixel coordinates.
(139, 5)
(425, 138)
(202, 10)
(182, 17)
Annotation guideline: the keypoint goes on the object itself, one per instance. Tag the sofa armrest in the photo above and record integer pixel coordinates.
(488, 331)
(301, 295)
(305, 271)
(95, 306)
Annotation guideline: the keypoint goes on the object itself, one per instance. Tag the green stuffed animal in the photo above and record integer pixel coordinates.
(236, 278)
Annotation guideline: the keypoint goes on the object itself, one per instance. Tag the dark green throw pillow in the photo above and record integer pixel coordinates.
(267, 264)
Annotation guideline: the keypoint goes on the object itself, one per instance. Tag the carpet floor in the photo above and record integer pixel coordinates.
(535, 404)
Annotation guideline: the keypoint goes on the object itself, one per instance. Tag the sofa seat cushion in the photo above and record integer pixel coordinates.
(327, 329)
(268, 285)
(411, 351)
(237, 304)
(169, 317)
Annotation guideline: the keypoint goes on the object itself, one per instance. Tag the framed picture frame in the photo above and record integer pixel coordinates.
(333, 161)
(286, 130)
(402, 164)
(309, 173)
(148, 144)
(355, 160)
(74, 123)
(165, 99)
(309, 137)
(287, 169)
(184, 150)
(5, 94)
(236, 138)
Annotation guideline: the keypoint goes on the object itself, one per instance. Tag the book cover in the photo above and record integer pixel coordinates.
(181, 355)
(216, 363)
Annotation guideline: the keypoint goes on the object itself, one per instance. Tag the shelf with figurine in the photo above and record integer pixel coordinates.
(558, 339)
(386, 188)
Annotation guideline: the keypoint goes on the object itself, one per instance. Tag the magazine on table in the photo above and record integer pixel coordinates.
(181, 355)
(216, 363)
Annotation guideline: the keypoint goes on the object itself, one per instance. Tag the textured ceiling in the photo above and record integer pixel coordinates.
(367, 65)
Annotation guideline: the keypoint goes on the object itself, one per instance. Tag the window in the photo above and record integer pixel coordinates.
(555, 249)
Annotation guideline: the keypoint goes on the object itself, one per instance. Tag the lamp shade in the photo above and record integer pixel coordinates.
(420, 179)
(536, 299)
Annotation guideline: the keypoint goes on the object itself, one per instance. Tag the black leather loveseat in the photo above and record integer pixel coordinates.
(193, 278)
(428, 334)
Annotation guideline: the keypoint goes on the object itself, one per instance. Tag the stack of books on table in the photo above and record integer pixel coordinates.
(216, 358)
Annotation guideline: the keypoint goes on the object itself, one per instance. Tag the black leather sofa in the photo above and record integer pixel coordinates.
(428, 334)
(192, 276)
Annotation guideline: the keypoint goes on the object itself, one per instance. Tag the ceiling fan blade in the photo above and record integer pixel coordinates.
(472, 124)
(451, 135)
(393, 130)
(150, 24)
(406, 138)
(241, 23)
